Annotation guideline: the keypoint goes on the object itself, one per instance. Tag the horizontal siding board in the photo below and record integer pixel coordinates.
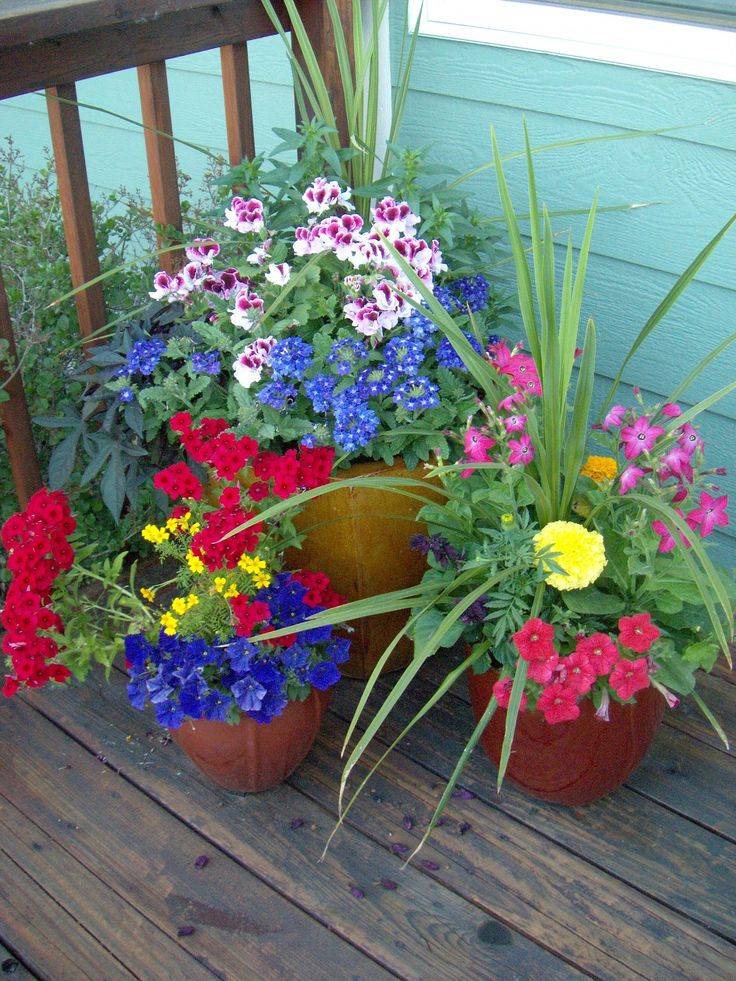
(693, 184)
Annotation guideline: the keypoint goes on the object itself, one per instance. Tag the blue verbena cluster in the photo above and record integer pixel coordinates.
(290, 358)
(278, 394)
(144, 356)
(206, 363)
(126, 395)
(467, 292)
(448, 357)
(190, 678)
(346, 355)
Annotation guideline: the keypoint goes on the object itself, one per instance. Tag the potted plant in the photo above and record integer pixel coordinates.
(570, 556)
(246, 714)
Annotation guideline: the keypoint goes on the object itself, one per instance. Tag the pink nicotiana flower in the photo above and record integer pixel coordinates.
(521, 450)
(671, 410)
(514, 423)
(710, 515)
(666, 538)
(477, 448)
(614, 417)
(244, 216)
(279, 273)
(321, 195)
(248, 307)
(249, 365)
(689, 438)
(509, 403)
(202, 250)
(639, 437)
(676, 463)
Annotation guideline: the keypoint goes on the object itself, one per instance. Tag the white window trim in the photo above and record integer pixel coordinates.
(620, 39)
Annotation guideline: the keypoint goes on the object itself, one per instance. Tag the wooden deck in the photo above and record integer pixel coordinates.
(102, 822)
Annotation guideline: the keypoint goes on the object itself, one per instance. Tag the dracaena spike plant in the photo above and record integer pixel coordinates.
(573, 574)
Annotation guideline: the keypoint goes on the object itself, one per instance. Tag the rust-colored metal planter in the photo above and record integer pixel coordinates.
(250, 757)
(360, 538)
(576, 762)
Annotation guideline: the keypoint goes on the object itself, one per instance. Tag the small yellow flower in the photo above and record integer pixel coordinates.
(194, 528)
(261, 579)
(599, 468)
(231, 591)
(154, 534)
(192, 600)
(507, 519)
(169, 623)
(148, 594)
(179, 606)
(581, 553)
(220, 582)
(196, 565)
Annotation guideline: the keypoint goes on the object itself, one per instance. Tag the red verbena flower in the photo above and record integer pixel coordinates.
(638, 633)
(178, 481)
(629, 677)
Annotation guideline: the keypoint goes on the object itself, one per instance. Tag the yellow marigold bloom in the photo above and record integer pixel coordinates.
(261, 579)
(196, 565)
(194, 528)
(152, 533)
(507, 519)
(220, 582)
(148, 594)
(179, 606)
(579, 552)
(169, 623)
(599, 468)
(231, 591)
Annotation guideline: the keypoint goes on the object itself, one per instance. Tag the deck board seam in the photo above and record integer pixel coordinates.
(68, 912)
(687, 817)
(220, 848)
(11, 948)
(571, 851)
(108, 885)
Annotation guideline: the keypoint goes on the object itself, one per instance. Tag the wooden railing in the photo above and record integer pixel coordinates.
(54, 48)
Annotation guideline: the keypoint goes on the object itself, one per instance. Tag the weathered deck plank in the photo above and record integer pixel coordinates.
(421, 931)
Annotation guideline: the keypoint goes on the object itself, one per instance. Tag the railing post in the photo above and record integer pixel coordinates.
(156, 113)
(238, 106)
(76, 206)
(14, 415)
(318, 25)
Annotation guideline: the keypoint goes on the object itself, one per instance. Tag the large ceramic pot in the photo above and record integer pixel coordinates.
(574, 762)
(250, 757)
(360, 538)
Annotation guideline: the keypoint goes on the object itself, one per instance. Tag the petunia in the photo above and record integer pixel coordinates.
(639, 437)
(502, 693)
(535, 640)
(629, 677)
(710, 514)
(542, 669)
(558, 704)
(638, 633)
(577, 673)
(600, 651)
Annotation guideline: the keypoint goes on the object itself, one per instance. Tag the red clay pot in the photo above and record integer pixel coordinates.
(571, 763)
(250, 757)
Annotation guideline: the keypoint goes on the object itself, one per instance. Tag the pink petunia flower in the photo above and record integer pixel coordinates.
(639, 437)
(629, 677)
(542, 669)
(638, 633)
(576, 672)
(521, 450)
(535, 641)
(614, 417)
(558, 704)
(502, 694)
(710, 514)
(600, 651)
(629, 478)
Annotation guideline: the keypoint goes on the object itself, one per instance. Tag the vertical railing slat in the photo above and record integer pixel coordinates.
(238, 105)
(76, 206)
(14, 415)
(318, 25)
(156, 114)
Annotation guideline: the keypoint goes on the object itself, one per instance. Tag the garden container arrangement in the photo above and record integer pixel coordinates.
(568, 552)
(295, 322)
(247, 714)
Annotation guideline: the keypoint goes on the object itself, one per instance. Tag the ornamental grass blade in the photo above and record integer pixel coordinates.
(401, 89)
(512, 714)
(666, 305)
(577, 435)
(701, 366)
(712, 719)
(441, 690)
(689, 414)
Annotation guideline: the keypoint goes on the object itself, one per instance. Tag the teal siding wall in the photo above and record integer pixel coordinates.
(459, 90)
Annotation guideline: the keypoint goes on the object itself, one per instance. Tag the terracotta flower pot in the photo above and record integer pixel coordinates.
(250, 757)
(575, 762)
(360, 538)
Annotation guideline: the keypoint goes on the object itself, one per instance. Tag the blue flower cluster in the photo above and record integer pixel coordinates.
(206, 363)
(189, 678)
(144, 356)
(290, 358)
(278, 394)
(467, 292)
(448, 357)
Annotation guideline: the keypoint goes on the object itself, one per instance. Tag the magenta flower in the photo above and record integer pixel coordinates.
(521, 449)
(629, 478)
(639, 437)
(666, 538)
(671, 410)
(677, 464)
(515, 424)
(711, 513)
(477, 447)
(508, 404)
(614, 418)
(690, 439)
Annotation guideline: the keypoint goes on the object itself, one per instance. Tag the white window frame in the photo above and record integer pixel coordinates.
(620, 39)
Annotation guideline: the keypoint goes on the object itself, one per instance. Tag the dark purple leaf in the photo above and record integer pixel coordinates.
(399, 849)
(429, 865)
(408, 822)
(465, 827)
(463, 794)
(200, 861)
(389, 884)
(357, 893)
(441, 823)
(9, 966)
(185, 931)
(296, 824)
